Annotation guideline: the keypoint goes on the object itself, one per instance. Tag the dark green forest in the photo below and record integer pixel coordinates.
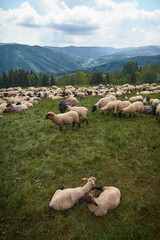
(131, 73)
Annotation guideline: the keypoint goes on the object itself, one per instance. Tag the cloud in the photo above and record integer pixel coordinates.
(105, 23)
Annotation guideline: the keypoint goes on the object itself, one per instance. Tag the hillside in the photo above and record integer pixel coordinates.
(118, 65)
(55, 60)
(93, 53)
(35, 58)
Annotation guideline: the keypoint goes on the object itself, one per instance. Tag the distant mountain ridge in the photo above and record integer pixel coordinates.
(53, 60)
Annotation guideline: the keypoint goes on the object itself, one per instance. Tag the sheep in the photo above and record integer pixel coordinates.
(13, 109)
(67, 198)
(82, 111)
(158, 112)
(136, 98)
(110, 106)
(64, 118)
(107, 200)
(120, 106)
(2, 116)
(149, 110)
(102, 102)
(63, 104)
(80, 95)
(151, 101)
(133, 108)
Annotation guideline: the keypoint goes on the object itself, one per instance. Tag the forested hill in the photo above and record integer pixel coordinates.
(118, 65)
(35, 58)
(52, 60)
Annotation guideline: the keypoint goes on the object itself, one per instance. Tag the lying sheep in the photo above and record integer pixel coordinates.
(82, 111)
(133, 108)
(149, 110)
(136, 98)
(158, 112)
(64, 118)
(63, 104)
(67, 198)
(107, 200)
(120, 106)
(102, 102)
(10, 108)
(110, 106)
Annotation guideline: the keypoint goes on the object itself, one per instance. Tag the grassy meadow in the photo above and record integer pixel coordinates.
(36, 159)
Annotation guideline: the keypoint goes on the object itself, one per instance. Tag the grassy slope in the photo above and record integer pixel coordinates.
(36, 159)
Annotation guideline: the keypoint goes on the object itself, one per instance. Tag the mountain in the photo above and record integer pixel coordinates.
(35, 58)
(85, 53)
(54, 60)
(93, 53)
(118, 65)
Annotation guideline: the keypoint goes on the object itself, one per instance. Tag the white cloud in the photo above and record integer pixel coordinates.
(106, 23)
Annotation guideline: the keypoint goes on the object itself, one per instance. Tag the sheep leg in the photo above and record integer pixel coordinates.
(86, 120)
(134, 115)
(129, 115)
(73, 124)
(79, 125)
(60, 128)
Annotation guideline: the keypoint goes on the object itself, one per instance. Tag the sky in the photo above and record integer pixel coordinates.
(107, 23)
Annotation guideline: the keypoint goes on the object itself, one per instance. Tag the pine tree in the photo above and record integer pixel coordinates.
(52, 80)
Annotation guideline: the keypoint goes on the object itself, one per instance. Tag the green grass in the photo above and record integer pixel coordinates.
(36, 159)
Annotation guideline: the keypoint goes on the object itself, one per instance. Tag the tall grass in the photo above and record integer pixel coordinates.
(36, 159)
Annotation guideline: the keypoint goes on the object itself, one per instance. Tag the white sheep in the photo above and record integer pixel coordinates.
(67, 198)
(136, 98)
(120, 106)
(102, 102)
(158, 112)
(133, 108)
(82, 111)
(107, 200)
(109, 106)
(80, 95)
(62, 119)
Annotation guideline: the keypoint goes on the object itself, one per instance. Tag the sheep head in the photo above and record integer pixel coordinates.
(50, 115)
(87, 198)
(93, 180)
(94, 108)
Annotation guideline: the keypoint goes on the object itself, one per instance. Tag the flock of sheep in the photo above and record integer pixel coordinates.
(18, 99)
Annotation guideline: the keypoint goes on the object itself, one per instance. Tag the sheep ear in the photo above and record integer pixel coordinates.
(84, 179)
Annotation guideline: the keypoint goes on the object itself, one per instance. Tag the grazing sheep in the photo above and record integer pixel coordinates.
(80, 95)
(63, 104)
(82, 111)
(107, 200)
(110, 106)
(102, 102)
(152, 101)
(158, 112)
(67, 198)
(120, 106)
(133, 108)
(149, 110)
(64, 118)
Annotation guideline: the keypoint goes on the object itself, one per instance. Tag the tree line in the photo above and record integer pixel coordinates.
(130, 73)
